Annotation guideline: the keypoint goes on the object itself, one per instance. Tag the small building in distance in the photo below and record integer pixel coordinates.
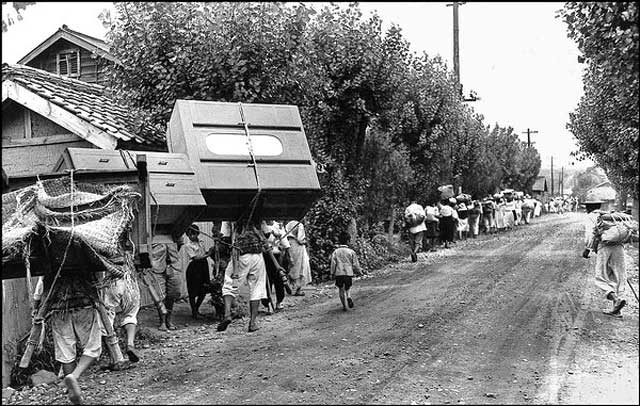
(539, 190)
(72, 54)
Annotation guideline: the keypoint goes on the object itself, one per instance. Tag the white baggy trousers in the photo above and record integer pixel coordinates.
(611, 273)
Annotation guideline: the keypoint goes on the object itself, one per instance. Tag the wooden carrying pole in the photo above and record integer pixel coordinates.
(157, 300)
(37, 324)
(269, 252)
(37, 330)
(112, 337)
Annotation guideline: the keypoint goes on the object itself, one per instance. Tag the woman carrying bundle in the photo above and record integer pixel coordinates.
(414, 216)
(447, 221)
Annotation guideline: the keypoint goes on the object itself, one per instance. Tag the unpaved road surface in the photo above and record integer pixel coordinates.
(506, 319)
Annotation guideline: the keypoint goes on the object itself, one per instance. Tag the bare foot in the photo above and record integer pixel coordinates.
(75, 393)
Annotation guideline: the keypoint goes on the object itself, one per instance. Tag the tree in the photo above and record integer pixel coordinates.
(12, 12)
(388, 125)
(605, 123)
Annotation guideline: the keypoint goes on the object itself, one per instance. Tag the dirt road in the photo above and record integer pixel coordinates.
(512, 318)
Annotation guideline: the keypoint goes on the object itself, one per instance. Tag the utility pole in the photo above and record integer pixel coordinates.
(551, 176)
(562, 182)
(529, 132)
(456, 51)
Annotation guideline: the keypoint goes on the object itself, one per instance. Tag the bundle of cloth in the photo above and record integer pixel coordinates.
(463, 198)
(446, 192)
(92, 219)
(616, 228)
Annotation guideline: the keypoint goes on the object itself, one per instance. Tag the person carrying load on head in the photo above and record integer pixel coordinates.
(605, 234)
(123, 294)
(509, 210)
(74, 319)
(528, 207)
(475, 212)
(432, 223)
(165, 267)
(448, 220)
(279, 244)
(197, 269)
(414, 216)
(299, 265)
(488, 215)
(246, 269)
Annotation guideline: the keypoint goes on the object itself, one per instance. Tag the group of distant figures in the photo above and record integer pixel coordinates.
(456, 218)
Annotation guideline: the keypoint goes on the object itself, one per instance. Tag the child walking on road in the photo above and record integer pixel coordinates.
(344, 263)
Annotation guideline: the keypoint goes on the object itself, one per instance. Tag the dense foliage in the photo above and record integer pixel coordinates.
(606, 119)
(388, 124)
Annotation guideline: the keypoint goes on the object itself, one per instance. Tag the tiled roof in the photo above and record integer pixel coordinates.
(90, 102)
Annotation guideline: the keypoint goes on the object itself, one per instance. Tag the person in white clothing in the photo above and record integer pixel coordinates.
(414, 216)
(299, 264)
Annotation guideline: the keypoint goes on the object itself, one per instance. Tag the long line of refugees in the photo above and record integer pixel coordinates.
(456, 218)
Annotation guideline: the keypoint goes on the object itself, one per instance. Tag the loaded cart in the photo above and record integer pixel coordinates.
(226, 161)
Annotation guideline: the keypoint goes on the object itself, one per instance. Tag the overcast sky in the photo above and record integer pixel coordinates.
(516, 56)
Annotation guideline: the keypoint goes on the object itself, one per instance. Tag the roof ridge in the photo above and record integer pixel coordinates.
(94, 104)
(66, 28)
(18, 66)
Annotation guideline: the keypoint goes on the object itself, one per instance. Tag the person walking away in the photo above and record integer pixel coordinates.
(432, 224)
(447, 221)
(344, 264)
(475, 212)
(610, 268)
(245, 269)
(528, 206)
(537, 208)
(74, 319)
(124, 294)
(299, 267)
(463, 221)
(518, 211)
(414, 216)
(165, 266)
(509, 209)
(197, 269)
(488, 215)
(280, 246)
(500, 213)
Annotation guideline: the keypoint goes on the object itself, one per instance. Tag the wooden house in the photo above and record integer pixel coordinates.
(44, 113)
(539, 190)
(72, 54)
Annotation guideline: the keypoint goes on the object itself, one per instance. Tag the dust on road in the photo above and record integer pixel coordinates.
(501, 319)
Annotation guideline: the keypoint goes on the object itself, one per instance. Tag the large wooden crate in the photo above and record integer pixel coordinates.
(216, 138)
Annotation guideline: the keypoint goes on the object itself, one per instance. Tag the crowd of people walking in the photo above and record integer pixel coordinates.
(455, 218)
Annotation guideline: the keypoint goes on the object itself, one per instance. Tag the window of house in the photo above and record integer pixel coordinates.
(68, 63)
